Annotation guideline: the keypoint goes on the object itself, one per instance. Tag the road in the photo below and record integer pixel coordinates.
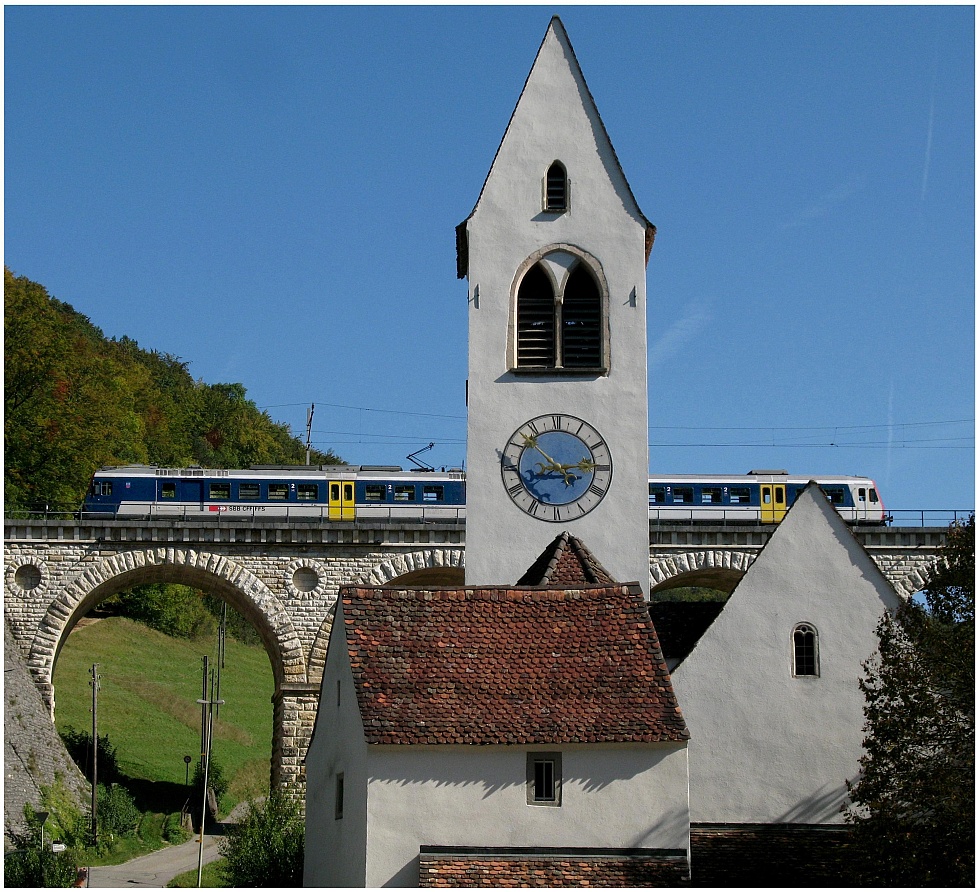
(159, 867)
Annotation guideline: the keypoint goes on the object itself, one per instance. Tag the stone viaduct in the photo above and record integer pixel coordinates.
(284, 577)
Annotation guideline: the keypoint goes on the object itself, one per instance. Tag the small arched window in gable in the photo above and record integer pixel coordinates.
(556, 188)
(536, 320)
(806, 653)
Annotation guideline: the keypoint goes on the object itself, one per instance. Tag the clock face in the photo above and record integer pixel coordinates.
(556, 467)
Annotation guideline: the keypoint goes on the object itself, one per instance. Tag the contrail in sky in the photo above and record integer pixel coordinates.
(932, 112)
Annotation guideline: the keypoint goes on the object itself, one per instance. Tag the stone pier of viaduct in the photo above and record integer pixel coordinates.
(284, 577)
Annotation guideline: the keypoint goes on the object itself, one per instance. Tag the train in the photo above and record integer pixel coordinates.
(362, 492)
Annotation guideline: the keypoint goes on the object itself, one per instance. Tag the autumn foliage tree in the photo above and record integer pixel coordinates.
(912, 807)
(75, 400)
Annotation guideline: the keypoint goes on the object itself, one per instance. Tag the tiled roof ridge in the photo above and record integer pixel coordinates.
(488, 593)
(566, 563)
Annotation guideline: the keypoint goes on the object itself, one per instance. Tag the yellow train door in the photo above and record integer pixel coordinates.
(340, 500)
(772, 502)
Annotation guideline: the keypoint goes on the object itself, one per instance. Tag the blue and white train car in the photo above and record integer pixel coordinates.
(327, 492)
(759, 496)
(349, 492)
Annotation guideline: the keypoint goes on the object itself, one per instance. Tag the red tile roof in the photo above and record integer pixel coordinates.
(566, 562)
(508, 666)
(561, 871)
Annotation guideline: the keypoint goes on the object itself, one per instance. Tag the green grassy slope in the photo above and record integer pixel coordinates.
(148, 702)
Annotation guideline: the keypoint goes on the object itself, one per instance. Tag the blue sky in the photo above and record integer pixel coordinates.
(271, 193)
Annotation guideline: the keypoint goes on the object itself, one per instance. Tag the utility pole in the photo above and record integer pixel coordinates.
(95, 752)
(309, 430)
(208, 722)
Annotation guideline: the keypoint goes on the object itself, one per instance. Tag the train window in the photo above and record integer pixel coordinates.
(739, 495)
(348, 492)
(711, 495)
(874, 495)
(433, 494)
(168, 490)
(374, 492)
(248, 490)
(683, 495)
(218, 491)
(404, 493)
(862, 494)
(102, 488)
(307, 492)
(278, 492)
(834, 493)
(658, 495)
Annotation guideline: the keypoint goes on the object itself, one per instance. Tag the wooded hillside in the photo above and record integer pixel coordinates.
(75, 400)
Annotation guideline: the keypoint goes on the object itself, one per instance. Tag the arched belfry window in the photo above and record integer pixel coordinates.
(559, 316)
(536, 320)
(581, 321)
(806, 652)
(556, 188)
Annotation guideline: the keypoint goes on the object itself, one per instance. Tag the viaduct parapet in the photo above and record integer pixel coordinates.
(284, 577)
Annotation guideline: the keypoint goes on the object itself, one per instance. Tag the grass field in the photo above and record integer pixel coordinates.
(148, 705)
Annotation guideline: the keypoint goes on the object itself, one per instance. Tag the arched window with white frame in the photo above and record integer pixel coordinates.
(806, 651)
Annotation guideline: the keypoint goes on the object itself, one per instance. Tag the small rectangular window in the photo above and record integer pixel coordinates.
(102, 488)
(219, 491)
(683, 495)
(248, 491)
(338, 802)
(404, 493)
(658, 495)
(278, 492)
(168, 490)
(433, 494)
(739, 495)
(374, 492)
(710, 495)
(544, 779)
(307, 492)
(874, 496)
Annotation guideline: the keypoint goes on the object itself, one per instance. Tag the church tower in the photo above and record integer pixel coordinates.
(555, 255)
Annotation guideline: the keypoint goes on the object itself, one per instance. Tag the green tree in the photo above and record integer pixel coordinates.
(912, 807)
(75, 400)
(266, 847)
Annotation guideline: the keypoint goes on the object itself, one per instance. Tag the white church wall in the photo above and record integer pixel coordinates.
(767, 746)
(335, 853)
(612, 796)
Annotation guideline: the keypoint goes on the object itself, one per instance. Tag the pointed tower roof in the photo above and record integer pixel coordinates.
(556, 83)
(566, 563)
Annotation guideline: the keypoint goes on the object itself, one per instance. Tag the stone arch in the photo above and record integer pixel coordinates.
(412, 567)
(722, 569)
(242, 589)
(412, 562)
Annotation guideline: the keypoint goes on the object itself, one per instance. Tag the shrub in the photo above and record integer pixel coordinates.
(118, 813)
(32, 866)
(79, 746)
(266, 847)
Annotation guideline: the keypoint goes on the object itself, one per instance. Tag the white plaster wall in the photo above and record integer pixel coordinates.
(335, 853)
(555, 119)
(614, 796)
(765, 746)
